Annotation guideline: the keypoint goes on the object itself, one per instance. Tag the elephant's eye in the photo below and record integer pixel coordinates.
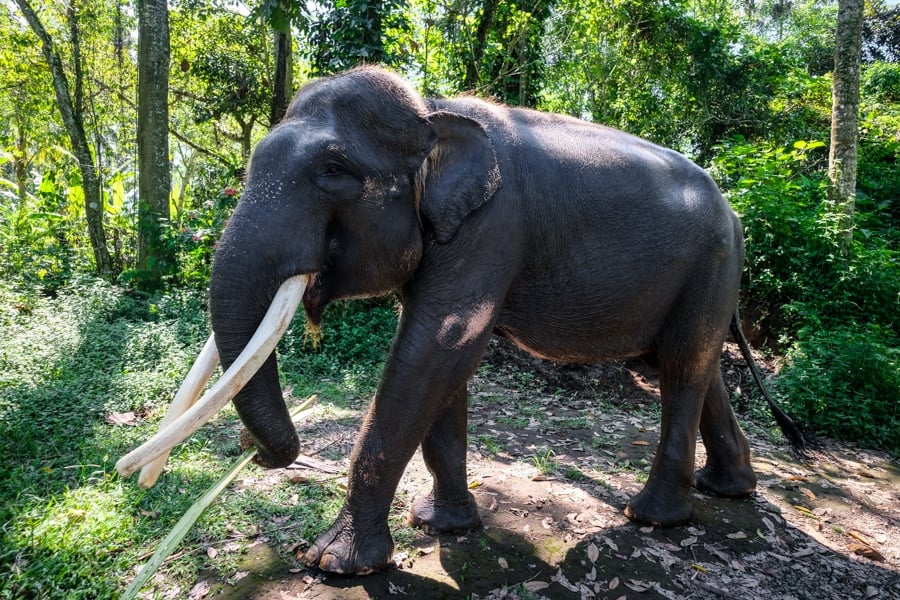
(331, 170)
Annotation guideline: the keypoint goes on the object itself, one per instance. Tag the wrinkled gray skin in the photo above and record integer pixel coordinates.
(576, 241)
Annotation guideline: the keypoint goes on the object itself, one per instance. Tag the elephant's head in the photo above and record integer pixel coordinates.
(344, 190)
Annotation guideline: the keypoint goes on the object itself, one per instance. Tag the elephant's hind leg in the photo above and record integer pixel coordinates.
(666, 497)
(449, 507)
(728, 471)
(688, 367)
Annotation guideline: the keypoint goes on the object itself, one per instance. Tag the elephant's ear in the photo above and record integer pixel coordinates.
(462, 173)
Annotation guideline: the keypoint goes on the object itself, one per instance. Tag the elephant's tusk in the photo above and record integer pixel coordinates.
(258, 349)
(187, 395)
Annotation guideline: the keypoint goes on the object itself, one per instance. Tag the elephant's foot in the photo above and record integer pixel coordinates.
(347, 550)
(660, 503)
(731, 483)
(436, 516)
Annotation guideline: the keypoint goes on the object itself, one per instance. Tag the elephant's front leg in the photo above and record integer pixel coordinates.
(430, 360)
(359, 541)
(450, 506)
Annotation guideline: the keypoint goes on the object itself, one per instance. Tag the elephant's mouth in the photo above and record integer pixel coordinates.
(315, 298)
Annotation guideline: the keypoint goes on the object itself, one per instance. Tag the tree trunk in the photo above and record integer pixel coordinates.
(154, 176)
(20, 163)
(73, 120)
(473, 69)
(281, 91)
(842, 157)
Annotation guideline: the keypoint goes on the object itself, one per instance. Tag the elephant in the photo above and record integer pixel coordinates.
(576, 241)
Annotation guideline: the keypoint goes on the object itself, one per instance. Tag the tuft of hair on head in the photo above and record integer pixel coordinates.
(312, 334)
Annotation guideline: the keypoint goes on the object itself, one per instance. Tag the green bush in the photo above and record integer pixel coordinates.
(346, 355)
(837, 315)
(845, 383)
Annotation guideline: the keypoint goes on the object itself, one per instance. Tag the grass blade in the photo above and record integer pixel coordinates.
(168, 545)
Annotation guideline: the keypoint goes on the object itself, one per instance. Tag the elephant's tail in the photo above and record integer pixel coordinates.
(791, 430)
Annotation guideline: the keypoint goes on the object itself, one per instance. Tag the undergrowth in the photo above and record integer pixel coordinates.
(73, 362)
(837, 315)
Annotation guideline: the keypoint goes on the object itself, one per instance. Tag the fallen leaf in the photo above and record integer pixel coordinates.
(503, 564)
(689, 541)
(200, 590)
(212, 552)
(640, 443)
(737, 535)
(534, 586)
(547, 522)
(400, 558)
(723, 556)
(125, 418)
(593, 552)
(613, 583)
(647, 529)
(859, 535)
(563, 581)
(700, 568)
(867, 551)
(151, 514)
(474, 484)
(395, 589)
(637, 586)
(428, 550)
(808, 493)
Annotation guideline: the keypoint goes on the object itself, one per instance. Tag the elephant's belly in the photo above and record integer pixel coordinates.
(578, 345)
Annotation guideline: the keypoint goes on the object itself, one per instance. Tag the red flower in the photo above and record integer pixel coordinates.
(230, 191)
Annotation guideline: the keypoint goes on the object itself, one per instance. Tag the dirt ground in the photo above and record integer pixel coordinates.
(554, 454)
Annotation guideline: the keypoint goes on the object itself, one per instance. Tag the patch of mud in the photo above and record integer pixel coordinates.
(555, 452)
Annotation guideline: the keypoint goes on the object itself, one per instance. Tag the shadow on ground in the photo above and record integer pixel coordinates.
(553, 459)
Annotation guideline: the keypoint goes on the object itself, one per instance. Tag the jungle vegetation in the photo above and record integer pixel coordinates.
(126, 127)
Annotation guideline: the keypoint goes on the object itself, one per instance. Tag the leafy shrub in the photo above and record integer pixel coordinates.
(192, 238)
(841, 311)
(348, 352)
(40, 236)
(845, 382)
(881, 82)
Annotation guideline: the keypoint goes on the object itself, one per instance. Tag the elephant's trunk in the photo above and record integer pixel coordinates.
(239, 297)
(184, 417)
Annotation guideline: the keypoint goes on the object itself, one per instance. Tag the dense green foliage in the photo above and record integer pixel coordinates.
(71, 365)
(742, 88)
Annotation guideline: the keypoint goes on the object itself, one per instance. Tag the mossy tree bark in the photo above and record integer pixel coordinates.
(842, 157)
(154, 174)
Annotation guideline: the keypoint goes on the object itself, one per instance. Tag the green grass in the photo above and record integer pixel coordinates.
(70, 527)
